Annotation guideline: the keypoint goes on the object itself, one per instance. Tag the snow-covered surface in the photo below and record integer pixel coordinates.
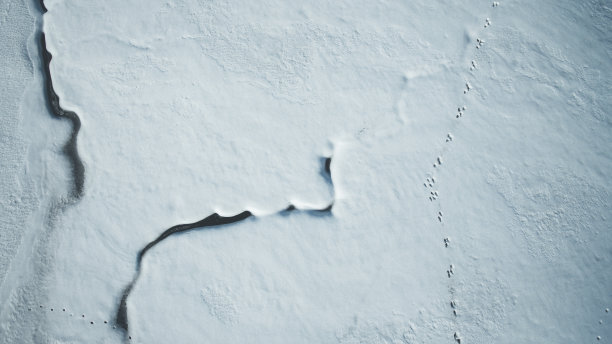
(32, 173)
(15, 73)
(470, 147)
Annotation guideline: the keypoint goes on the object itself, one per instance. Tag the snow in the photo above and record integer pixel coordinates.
(15, 73)
(470, 147)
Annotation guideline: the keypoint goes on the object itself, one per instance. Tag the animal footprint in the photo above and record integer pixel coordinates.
(495, 3)
(433, 195)
(461, 110)
(429, 182)
(450, 271)
(446, 241)
(487, 22)
(449, 137)
(63, 311)
(473, 65)
(453, 305)
(480, 43)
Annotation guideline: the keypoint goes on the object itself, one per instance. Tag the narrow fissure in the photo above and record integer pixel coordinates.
(212, 222)
(52, 102)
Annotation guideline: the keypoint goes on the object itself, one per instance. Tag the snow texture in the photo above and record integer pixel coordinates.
(470, 146)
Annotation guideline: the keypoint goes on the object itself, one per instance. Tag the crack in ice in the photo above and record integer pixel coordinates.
(52, 101)
(212, 222)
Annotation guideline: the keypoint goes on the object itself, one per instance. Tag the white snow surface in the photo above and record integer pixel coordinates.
(486, 125)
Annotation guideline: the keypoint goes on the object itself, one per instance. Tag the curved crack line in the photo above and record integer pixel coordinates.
(212, 222)
(53, 103)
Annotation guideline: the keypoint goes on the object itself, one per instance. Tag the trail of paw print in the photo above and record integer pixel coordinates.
(479, 43)
(607, 310)
(438, 162)
(42, 308)
(431, 180)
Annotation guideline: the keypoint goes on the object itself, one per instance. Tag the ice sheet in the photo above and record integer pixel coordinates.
(470, 147)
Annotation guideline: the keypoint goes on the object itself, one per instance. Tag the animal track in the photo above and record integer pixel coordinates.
(451, 271)
(457, 337)
(220, 305)
(473, 67)
(433, 196)
(461, 109)
(430, 181)
(607, 310)
(438, 162)
(480, 43)
(453, 305)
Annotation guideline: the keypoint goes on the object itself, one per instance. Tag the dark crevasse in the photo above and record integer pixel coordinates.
(70, 148)
(212, 222)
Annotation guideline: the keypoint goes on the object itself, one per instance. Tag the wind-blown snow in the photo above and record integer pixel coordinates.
(471, 154)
